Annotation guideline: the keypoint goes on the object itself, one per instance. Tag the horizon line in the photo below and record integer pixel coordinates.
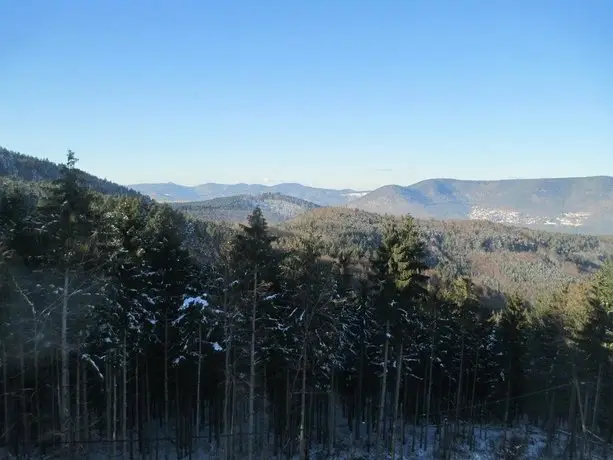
(276, 184)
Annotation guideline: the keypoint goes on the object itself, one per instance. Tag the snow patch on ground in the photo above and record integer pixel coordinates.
(472, 443)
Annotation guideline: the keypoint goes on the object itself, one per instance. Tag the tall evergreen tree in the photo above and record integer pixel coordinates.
(69, 234)
(252, 261)
(595, 342)
(512, 327)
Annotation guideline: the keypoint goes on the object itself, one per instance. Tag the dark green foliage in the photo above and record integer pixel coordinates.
(252, 247)
(30, 169)
(69, 228)
(512, 327)
(497, 257)
(596, 337)
(167, 302)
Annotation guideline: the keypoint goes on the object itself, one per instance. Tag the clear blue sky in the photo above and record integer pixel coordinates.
(324, 92)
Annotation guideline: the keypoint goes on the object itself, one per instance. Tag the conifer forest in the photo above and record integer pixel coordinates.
(129, 330)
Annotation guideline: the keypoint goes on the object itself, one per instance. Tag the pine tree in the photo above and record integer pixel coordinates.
(512, 327)
(252, 261)
(166, 265)
(69, 237)
(398, 289)
(595, 342)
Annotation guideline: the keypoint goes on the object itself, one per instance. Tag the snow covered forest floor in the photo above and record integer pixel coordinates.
(473, 442)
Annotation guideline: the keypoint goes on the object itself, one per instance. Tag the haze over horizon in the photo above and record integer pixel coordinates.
(320, 94)
(272, 184)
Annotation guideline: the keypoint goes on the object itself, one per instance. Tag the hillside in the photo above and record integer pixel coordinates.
(498, 256)
(148, 310)
(157, 300)
(171, 192)
(22, 167)
(568, 204)
(276, 207)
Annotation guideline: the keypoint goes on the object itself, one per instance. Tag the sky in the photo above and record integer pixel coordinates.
(327, 93)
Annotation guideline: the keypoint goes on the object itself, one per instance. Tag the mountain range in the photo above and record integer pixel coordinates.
(171, 192)
(576, 204)
(465, 242)
(572, 205)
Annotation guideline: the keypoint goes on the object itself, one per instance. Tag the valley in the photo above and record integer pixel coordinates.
(306, 230)
(572, 205)
(209, 307)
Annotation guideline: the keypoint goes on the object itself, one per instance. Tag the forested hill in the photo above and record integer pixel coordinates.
(497, 256)
(129, 330)
(501, 257)
(22, 167)
(170, 192)
(569, 204)
(275, 206)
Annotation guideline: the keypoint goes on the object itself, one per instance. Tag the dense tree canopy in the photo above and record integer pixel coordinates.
(122, 319)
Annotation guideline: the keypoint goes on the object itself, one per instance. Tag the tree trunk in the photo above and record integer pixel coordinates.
(124, 414)
(507, 405)
(114, 449)
(166, 395)
(78, 401)
(572, 426)
(36, 384)
(302, 447)
(198, 378)
(148, 404)
(24, 411)
(233, 410)
(359, 404)
(474, 389)
(227, 398)
(397, 397)
(65, 389)
(288, 414)
(85, 406)
(331, 412)
(109, 402)
(381, 418)
(596, 399)
(459, 389)
(137, 405)
(252, 368)
(227, 382)
(429, 397)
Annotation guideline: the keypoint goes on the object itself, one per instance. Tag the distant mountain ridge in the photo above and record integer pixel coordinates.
(275, 207)
(564, 204)
(172, 192)
(572, 205)
(575, 204)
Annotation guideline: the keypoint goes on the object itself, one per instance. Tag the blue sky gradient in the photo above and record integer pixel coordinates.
(326, 93)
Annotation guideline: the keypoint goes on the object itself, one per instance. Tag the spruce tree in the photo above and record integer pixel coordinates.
(252, 261)
(69, 235)
(595, 343)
